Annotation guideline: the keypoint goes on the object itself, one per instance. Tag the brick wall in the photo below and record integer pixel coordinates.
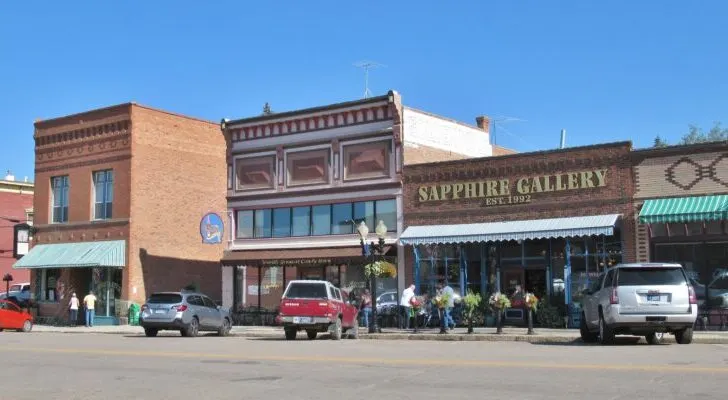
(178, 175)
(12, 205)
(614, 198)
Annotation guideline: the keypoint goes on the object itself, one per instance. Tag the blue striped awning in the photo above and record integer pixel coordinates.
(110, 253)
(510, 230)
(684, 209)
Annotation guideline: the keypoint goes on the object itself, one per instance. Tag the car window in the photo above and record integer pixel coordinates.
(338, 295)
(164, 298)
(650, 276)
(610, 278)
(305, 290)
(9, 307)
(195, 301)
(208, 302)
(3, 306)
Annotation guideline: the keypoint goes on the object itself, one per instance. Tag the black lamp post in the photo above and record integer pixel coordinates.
(7, 278)
(371, 251)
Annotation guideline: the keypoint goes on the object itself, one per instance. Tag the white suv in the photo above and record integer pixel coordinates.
(639, 299)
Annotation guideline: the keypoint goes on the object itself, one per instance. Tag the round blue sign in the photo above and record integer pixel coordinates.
(211, 228)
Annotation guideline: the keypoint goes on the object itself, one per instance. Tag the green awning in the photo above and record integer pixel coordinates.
(685, 209)
(111, 253)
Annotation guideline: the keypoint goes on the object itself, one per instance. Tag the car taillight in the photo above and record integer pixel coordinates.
(614, 298)
(323, 304)
(691, 294)
(181, 308)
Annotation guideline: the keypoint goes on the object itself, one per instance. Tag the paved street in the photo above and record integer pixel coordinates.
(68, 366)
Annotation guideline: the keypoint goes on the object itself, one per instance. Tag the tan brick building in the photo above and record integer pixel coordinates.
(120, 196)
(546, 222)
(681, 203)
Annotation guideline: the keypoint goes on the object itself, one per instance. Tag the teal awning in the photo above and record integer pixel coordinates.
(684, 209)
(110, 253)
(510, 230)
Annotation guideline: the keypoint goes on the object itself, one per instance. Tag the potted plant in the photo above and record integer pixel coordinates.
(530, 301)
(417, 302)
(471, 304)
(499, 302)
(441, 302)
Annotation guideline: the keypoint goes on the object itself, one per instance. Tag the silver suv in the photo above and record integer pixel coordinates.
(186, 312)
(639, 299)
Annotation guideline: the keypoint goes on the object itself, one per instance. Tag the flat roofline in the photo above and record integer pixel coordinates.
(448, 119)
(310, 110)
(121, 106)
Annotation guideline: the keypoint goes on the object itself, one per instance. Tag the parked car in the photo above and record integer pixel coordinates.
(644, 299)
(18, 293)
(315, 307)
(13, 317)
(186, 312)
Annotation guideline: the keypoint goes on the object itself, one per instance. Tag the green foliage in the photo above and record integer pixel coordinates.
(659, 142)
(499, 301)
(471, 304)
(551, 314)
(696, 135)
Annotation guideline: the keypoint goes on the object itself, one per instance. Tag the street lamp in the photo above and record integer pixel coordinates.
(7, 278)
(370, 250)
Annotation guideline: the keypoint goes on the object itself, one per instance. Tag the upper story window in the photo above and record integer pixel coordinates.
(319, 220)
(59, 199)
(308, 167)
(255, 173)
(103, 194)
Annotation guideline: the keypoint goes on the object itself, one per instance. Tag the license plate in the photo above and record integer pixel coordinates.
(653, 297)
(160, 311)
(301, 320)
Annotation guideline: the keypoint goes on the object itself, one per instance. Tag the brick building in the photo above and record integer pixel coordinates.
(119, 198)
(544, 222)
(681, 198)
(298, 180)
(16, 206)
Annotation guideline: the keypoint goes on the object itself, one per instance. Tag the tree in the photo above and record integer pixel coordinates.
(266, 109)
(659, 142)
(696, 135)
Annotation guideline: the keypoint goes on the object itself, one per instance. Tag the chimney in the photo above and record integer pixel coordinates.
(483, 123)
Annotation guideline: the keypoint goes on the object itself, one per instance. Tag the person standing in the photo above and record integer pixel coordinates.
(405, 304)
(90, 303)
(447, 291)
(73, 307)
(366, 307)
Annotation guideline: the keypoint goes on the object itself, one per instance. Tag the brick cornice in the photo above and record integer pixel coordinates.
(84, 163)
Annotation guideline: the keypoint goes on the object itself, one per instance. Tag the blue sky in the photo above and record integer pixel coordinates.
(603, 70)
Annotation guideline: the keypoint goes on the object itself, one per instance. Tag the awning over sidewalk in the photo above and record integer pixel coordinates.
(510, 230)
(684, 209)
(110, 253)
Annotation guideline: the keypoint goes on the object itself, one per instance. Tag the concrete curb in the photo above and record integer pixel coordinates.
(451, 337)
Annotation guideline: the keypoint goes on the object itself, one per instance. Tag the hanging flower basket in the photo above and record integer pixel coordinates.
(498, 301)
(380, 269)
(442, 301)
(531, 301)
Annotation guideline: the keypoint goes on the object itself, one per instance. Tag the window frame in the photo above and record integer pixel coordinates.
(345, 157)
(107, 205)
(64, 188)
(271, 159)
(294, 154)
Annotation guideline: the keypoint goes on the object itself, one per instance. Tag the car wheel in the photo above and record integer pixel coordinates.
(684, 336)
(290, 333)
(27, 326)
(654, 337)
(586, 335)
(150, 332)
(606, 335)
(336, 330)
(354, 331)
(192, 329)
(311, 334)
(225, 328)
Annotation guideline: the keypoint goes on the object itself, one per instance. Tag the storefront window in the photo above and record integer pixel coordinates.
(107, 287)
(714, 227)
(677, 229)
(271, 287)
(245, 224)
(48, 285)
(695, 228)
(301, 221)
(281, 222)
(322, 220)
(263, 219)
(658, 230)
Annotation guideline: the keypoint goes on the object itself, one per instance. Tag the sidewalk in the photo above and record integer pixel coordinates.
(541, 336)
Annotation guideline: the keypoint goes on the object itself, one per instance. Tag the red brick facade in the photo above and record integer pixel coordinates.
(615, 197)
(168, 171)
(16, 199)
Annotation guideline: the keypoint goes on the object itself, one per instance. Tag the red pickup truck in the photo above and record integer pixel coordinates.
(317, 306)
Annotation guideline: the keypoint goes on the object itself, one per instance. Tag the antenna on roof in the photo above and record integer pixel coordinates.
(501, 120)
(367, 65)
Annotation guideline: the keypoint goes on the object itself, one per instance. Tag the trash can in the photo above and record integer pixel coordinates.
(134, 314)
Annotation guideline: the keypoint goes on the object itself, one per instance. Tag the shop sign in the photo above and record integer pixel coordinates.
(297, 261)
(498, 192)
(211, 229)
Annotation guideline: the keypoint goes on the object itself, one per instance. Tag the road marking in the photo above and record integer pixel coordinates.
(384, 361)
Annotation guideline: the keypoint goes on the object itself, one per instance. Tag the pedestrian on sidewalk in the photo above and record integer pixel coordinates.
(90, 303)
(447, 291)
(366, 307)
(73, 308)
(405, 303)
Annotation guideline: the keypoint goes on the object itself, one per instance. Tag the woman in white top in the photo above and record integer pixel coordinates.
(73, 306)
